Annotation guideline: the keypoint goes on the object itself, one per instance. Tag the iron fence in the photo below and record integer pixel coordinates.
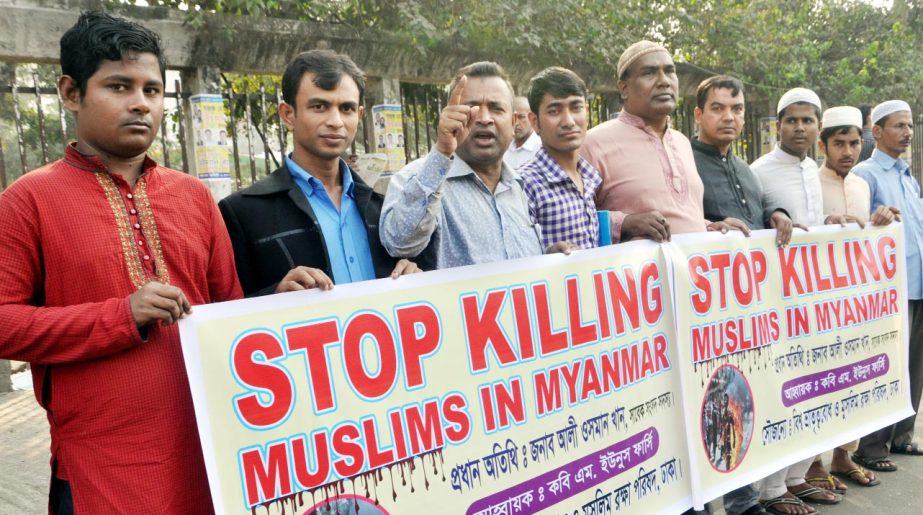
(35, 127)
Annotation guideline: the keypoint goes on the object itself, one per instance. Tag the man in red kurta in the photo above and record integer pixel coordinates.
(100, 253)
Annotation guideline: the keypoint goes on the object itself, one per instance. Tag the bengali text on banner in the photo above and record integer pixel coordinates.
(559, 384)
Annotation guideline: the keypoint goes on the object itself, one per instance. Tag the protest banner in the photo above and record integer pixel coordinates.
(543, 384)
(787, 352)
(619, 379)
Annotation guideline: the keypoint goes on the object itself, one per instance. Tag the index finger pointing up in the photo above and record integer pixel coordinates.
(455, 96)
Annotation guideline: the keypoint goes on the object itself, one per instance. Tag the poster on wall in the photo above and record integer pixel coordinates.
(768, 135)
(211, 143)
(388, 136)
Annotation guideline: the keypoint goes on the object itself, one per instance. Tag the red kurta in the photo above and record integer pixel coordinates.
(75, 242)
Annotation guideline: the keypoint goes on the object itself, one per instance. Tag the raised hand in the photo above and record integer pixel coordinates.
(455, 121)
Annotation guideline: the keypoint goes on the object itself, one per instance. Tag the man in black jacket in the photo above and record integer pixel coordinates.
(313, 222)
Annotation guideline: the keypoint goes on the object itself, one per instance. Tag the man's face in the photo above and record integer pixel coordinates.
(492, 128)
(842, 151)
(561, 123)
(522, 129)
(323, 123)
(798, 129)
(722, 119)
(896, 135)
(651, 88)
(121, 110)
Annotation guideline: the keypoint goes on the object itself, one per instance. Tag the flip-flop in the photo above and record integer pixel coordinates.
(826, 480)
(876, 464)
(910, 449)
(770, 504)
(853, 475)
(805, 495)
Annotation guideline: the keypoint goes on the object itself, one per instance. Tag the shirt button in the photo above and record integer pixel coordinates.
(132, 210)
(738, 186)
(147, 258)
(137, 226)
(352, 259)
(140, 243)
(744, 201)
(130, 196)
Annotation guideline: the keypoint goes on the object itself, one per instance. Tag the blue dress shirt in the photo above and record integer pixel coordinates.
(344, 231)
(891, 184)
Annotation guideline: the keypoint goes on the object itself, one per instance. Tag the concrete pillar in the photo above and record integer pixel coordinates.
(6, 384)
(379, 90)
(208, 153)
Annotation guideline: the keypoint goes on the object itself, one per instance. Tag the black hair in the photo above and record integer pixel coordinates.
(781, 113)
(99, 36)
(328, 68)
(717, 82)
(482, 69)
(828, 132)
(555, 81)
(866, 110)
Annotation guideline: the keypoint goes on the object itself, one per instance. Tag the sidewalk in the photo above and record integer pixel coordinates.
(24, 455)
(24, 465)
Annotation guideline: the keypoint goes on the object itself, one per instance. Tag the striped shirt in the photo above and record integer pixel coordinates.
(557, 205)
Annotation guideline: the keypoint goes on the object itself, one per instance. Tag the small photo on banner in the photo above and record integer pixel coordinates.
(388, 135)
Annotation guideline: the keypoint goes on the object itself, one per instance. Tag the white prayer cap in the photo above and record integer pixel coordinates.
(890, 107)
(635, 51)
(842, 116)
(796, 95)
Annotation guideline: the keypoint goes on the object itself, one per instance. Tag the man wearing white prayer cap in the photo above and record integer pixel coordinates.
(892, 184)
(846, 199)
(788, 175)
(790, 179)
(846, 196)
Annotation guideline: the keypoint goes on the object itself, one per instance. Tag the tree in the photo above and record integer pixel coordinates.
(850, 51)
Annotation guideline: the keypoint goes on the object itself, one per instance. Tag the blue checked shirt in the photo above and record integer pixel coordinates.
(563, 213)
(441, 204)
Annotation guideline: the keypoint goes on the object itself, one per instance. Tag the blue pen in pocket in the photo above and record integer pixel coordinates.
(605, 228)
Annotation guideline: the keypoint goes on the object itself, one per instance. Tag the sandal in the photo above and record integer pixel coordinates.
(910, 449)
(828, 483)
(876, 464)
(808, 493)
(770, 504)
(856, 475)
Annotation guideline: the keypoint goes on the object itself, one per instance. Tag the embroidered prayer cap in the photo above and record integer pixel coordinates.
(635, 51)
(841, 116)
(795, 95)
(890, 107)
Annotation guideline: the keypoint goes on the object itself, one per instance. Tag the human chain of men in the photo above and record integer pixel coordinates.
(148, 243)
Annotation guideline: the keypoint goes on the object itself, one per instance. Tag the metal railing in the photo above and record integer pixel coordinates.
(35, 127)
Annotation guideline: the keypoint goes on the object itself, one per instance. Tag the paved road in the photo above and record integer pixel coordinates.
(24, 469)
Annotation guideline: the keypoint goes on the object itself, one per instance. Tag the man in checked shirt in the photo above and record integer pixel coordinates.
(560, 184)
